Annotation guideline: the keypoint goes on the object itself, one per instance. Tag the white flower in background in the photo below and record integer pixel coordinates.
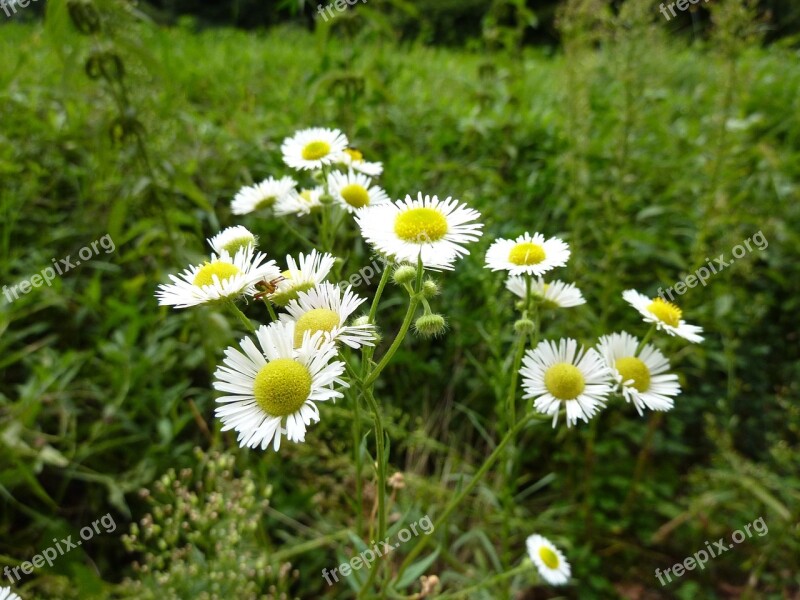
(562, 373)
(549, 560)
(300, 203)
(232, 239)
(262, 195)
(643, 379)
(555, 294)
(665, 315)
(354, 159)
(427, 228)
(8, 594)
(353, 191)
(533, 255)
(302, 275)
(325, 308)
(273, 391)
(311, 149)
(222, 278)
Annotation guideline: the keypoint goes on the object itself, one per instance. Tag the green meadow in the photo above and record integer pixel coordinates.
(651, 152)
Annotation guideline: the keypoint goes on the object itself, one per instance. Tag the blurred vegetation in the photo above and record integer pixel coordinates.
(646, 154)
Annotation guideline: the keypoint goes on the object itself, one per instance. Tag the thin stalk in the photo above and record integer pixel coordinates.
(412, 308)
(248, 325)
(645, 339)
(496, 453)
(524, 567)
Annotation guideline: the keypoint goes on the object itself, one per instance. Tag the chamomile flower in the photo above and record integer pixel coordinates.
(311, 149)
(353, 191)
(273, 391)
(262, 195)
(549, 560)
(427, 228)
(533, 255)
(300, 203)
(643, 380)
(224, 277)
(564, 373)
(301, 275)
(232, 239)
(325, 308)
(354, 159)
(665, 315)
(555, 294)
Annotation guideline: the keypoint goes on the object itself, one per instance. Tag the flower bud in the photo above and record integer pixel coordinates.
(524, 326)
(430, 288)
(404, 274)
(430, 325)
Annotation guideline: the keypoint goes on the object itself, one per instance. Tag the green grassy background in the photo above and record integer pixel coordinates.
(647, 154)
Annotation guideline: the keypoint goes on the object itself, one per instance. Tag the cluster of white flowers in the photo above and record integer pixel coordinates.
(563, 374)
(275, 380)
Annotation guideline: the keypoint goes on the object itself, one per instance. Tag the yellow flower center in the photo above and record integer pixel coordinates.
(317, 319)
(631, 367)
(316, 150)
(355, 195)
(354, 155)
(306, 195)
(564, 381)
(548, 557)
(282, 386)
(237, 244)
(526, 253)
(223, 270)
(665, 311)
(420, 225)
(265, 202)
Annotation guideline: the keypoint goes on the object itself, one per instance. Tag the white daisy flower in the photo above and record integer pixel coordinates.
(222, 278)
(643, 379)
(8, 594)
(549, 560)
(665, 315)
(555, 294)
(300, 203)
(353, 191)
(311, 149)
(273, 391)
(302, 275)
(528, 254)
(325, 309)
(262, 195)
(565, 373)
(352, 158)
(230, 240)
(427, 227)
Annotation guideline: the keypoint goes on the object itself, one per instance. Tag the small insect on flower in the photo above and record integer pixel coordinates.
(267, 287)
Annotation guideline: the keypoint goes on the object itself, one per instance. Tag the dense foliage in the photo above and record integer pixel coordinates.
(648, 156)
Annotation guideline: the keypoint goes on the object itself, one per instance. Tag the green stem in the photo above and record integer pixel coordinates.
(373, 310)
(412, 308)
(645, 339)
(271, 310)
(248, 325)
(380, 455)
(523, 568)
(496, 453)
(512, 389)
